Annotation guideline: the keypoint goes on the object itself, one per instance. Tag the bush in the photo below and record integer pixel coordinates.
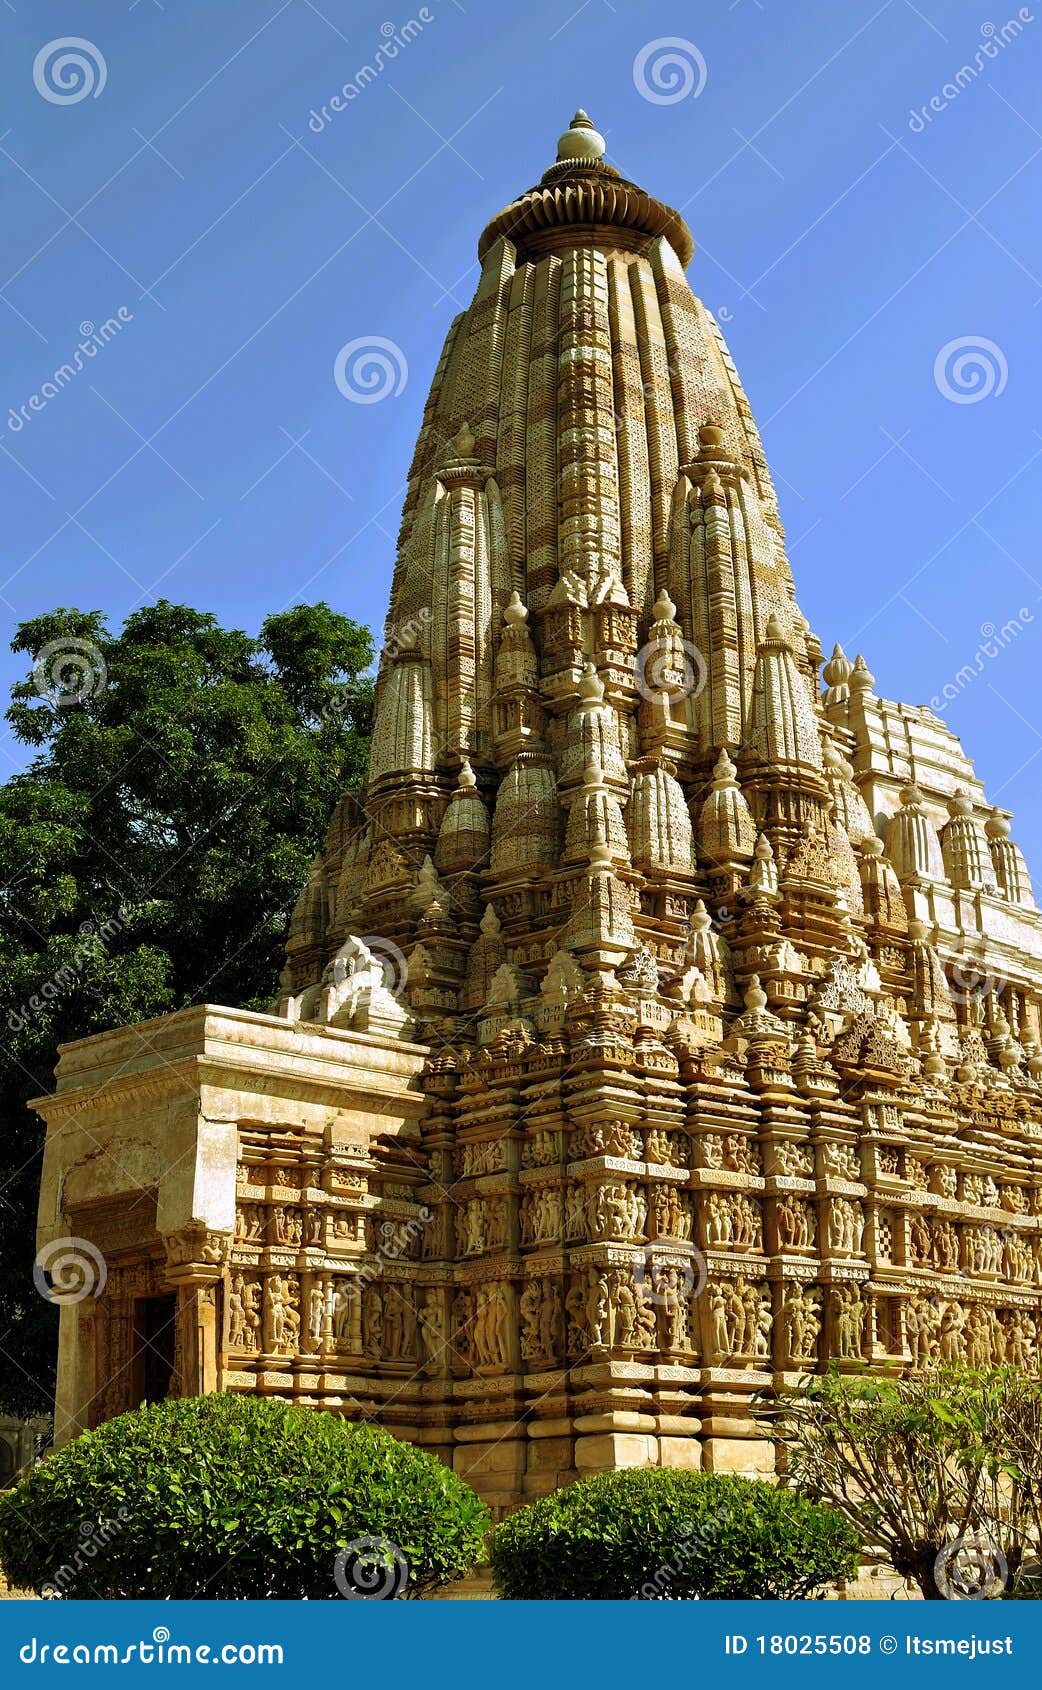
(660, 1535)
(223, 1496)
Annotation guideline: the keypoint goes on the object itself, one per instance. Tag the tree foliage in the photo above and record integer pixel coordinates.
(151, 852)
(663, 1535)
(224, 1496)
(942, 1471)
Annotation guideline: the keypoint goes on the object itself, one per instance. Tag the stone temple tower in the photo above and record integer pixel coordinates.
(658, 1026)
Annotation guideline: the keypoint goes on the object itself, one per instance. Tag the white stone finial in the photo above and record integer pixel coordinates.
(581, 142)
(515, 615)
(861, 676)
(664, 610)
(591, 687)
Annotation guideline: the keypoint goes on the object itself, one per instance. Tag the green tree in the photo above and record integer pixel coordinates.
(940, 1470)
(151, 853)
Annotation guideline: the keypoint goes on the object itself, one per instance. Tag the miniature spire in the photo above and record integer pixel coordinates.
(836, 675)
(657, 820)
(964, 848)
(465, 832)
(1007, 862)
(782, 725)
(763, 876)
(726, 830)
(911, 840)
(862, 680)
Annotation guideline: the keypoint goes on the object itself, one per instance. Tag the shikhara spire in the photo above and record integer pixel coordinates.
(682, 1009)
(592, 613)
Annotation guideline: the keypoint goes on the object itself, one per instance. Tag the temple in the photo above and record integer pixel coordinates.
(660, 1025)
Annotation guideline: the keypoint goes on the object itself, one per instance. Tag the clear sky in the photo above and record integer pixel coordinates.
(206, 454)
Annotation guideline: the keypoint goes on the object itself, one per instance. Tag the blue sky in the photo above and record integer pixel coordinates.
(205, 453)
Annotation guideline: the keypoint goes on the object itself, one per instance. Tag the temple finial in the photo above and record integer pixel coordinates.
(581, 142)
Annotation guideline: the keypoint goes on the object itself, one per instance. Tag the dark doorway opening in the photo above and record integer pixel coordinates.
(154, 1319)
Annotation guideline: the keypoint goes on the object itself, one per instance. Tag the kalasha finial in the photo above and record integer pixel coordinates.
(581, 143)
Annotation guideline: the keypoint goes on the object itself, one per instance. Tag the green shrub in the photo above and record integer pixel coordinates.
(660, 1535)
(223, 1496)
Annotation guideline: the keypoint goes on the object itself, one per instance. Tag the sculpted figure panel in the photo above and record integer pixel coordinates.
(740, 1321)
(801, 1317)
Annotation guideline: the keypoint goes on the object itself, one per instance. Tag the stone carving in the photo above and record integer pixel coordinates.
(599, 1139)
(245, 1301)
(618, 1210)
(432, 1330)
(801, 1317)
(541, 1311)
(740, 1322)
(797, 1224)
(792, 1161)
(282, 1314)
(848, 1322)
(490, 1339)
(484, 1225)
(665, 1148)
(669, 1213)
(840, 1160)
(733, 1221)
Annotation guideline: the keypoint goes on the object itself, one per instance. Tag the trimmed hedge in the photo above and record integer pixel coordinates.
(661, 1535)
(224, 1496)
